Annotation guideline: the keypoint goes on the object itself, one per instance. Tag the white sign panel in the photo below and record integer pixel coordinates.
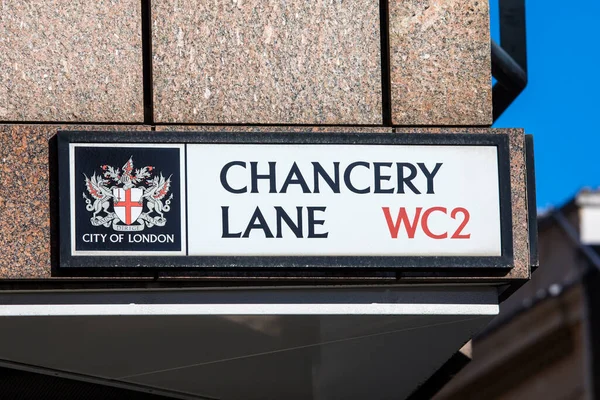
(341, 200)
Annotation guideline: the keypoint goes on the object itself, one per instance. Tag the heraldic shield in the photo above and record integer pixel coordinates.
(128, 204)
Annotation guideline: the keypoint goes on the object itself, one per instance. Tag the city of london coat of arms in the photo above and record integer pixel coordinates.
(128, 199)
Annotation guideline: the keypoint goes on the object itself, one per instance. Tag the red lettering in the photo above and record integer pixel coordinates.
(394, 227)
(425, 223)
(411, 226)
(465, 213)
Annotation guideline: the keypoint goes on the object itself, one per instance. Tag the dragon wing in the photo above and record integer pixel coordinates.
(141, 174)
(128, 166)
(163, 188)
(94, 187)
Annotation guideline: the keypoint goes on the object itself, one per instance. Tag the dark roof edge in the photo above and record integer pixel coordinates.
(556, 289)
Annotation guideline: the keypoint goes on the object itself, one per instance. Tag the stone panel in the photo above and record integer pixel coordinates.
(440, 62)
(276, 129)
(25, 173)
(71, 60)
(283, 62)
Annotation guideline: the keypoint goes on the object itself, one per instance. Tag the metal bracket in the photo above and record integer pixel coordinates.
(509, 60)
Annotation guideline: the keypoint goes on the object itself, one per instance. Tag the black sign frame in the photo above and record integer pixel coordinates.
(69, 263)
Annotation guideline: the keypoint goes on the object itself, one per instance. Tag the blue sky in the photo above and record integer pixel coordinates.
(560, 105)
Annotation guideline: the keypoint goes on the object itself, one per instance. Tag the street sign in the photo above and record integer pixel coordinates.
(247, 200)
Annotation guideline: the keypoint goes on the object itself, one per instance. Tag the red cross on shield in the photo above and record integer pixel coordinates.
(128, 204)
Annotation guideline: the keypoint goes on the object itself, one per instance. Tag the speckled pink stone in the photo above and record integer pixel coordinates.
(25, 197)
(254, 61)
(71, 60)
(440, 63)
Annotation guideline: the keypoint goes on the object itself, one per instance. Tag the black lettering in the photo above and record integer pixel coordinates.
(334, 184)
(224, 182)
(261, 224)
(378, 177)
(298, 180)
(402, 180)
(312, 222)
(255, 177)
(225, 220)
(349, 182)
(430, 175)
(282, 215)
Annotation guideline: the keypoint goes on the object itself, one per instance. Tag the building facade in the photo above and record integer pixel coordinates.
(361, 67)
(554, 317)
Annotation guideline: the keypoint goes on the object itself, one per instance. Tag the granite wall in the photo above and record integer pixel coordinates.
(71, 60)
(335, 65)
(246, 62)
